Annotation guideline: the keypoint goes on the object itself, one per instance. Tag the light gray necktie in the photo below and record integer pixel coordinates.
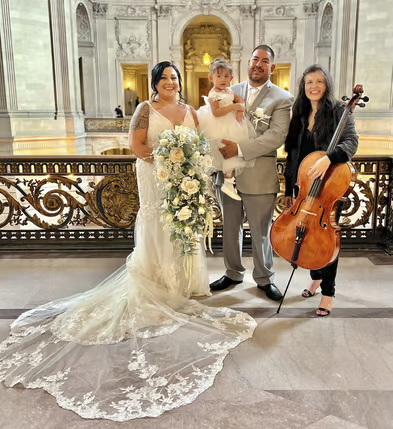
(252, 94)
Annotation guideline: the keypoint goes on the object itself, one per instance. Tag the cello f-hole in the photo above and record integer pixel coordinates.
(294, 213)
(321, 223)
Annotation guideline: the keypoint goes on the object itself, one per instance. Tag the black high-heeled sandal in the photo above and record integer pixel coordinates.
(307, 294)
(325, 310)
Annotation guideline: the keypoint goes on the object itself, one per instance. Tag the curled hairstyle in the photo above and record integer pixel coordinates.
(219, 64)
(156, 75)
(302, 105)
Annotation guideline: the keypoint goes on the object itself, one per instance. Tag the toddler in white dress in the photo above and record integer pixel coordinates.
(223, 118)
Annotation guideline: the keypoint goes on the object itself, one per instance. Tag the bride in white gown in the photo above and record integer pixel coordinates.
(136, 345)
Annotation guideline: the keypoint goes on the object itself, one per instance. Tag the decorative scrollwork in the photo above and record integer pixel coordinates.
(112, 202)
(65, 196)
(107, 124)
(350, 215)
(116, 200)
(217, 213)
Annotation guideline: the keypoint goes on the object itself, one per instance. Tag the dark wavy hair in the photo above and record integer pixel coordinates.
(324, 118)
(156, 75)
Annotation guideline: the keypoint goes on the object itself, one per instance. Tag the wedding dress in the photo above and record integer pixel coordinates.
(136, 345)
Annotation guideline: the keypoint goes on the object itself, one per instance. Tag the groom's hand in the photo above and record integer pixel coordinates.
(229, 150)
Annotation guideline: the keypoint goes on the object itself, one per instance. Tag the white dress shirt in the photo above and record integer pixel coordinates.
(252, 93)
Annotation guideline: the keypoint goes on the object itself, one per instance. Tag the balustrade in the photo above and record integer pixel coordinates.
(91, 202)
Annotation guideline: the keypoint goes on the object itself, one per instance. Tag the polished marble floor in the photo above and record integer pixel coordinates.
(298, 371)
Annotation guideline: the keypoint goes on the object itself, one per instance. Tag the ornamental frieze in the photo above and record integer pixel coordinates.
(311, 9)
(133, 46)
(100, 9)
(163, 11)
(129, 11)
(248, 11)
(279, 11)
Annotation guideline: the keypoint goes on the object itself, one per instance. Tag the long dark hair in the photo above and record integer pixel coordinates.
(156, 75)
(324, 118)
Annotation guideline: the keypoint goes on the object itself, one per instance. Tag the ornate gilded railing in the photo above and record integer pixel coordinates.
(91, 202)
(107, 125)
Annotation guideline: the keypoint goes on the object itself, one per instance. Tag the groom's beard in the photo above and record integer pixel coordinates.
(260, 78)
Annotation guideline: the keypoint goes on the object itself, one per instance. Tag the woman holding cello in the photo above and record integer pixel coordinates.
(316, 114)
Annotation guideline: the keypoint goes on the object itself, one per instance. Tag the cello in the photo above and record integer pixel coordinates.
(306, 234)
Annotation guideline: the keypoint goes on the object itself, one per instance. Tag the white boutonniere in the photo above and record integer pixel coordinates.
(259, 117)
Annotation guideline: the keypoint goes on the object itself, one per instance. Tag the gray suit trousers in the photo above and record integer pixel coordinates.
(259, 210)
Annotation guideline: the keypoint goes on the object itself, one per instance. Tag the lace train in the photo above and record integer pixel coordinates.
(136, 345)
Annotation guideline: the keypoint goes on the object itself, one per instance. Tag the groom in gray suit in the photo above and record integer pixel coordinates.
(269, 107)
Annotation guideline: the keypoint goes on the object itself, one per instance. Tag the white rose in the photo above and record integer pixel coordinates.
(196, 139)
(201, 199)
(184, 213)
(160, 158)
(201, 210)
(168, 185)
(188, 230)
(196, 155)
(259, 112)
(207, 161)
(162, 175)
(176, 155)
(169, 218)
(175, 201)
(191, 172)
(190, 186)
(163, 142)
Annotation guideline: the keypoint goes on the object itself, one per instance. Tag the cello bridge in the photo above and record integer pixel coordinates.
(309, 213)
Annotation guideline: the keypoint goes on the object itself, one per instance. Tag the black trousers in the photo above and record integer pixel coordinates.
(327, 274)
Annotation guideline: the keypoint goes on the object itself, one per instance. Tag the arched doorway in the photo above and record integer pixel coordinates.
(135, 84)
(204, 39)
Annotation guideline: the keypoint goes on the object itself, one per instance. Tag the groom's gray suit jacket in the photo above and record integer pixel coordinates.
(276, 103)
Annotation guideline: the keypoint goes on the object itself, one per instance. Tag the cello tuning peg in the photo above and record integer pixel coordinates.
(365, 99)
(361, 105)
(344, 98)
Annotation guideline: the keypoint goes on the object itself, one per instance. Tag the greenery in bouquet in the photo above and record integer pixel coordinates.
(181, 162)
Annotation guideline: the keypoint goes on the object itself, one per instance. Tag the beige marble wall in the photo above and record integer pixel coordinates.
(42, 113)
(147, 31)
(374, 55)
(32, 55)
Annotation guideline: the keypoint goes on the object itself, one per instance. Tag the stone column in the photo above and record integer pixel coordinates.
(344, 67)
(66, 73)
(248, 38)
(8, 99)
(154, 36)
(61, 66)
(164, 33)
(176, 56)
(190, 84)
(103, 91)
(235, 61)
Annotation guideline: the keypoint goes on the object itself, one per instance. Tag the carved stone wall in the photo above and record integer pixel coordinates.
(41, 93)
(83, 24)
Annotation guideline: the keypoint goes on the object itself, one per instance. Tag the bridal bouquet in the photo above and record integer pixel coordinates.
(181, 162)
